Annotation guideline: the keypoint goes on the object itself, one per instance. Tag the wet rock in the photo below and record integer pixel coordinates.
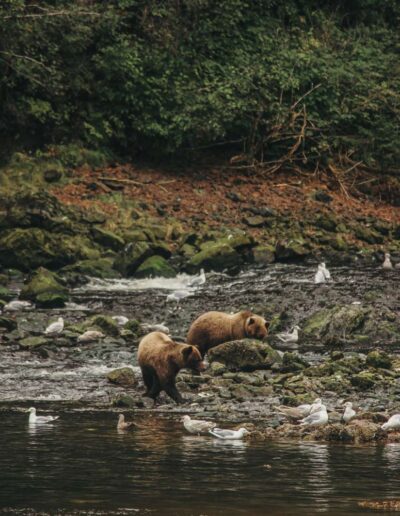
(379, 359)
(104, 323)
(215, 256)
(124, 400)
(123, 376)
(6, 294)
(7, 323)
(33, 342)
(132, 256)
(364, 380)
(245, 355)
(155, 267)
(99, 268)
(107, 238)
(45, 289)
(294, 249)
(264, 254)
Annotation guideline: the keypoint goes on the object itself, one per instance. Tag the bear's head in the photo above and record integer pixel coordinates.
(256, 327)
(192, 358)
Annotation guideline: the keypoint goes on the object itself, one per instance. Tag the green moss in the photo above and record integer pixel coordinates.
(215, 256)
(156, 267)
(46, 289)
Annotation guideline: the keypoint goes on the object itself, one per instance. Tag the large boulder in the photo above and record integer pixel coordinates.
(107, 238)
(155, 267)
(291, 249)
(132, 257)
(45, 289)
(99, 268)
(122, 376)
(215, 256)
(245, 355)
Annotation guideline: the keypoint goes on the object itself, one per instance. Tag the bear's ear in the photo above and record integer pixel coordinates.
(251, 321)
(267, 323)
(187, 351)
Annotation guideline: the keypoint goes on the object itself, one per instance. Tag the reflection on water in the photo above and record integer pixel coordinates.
(81, 464)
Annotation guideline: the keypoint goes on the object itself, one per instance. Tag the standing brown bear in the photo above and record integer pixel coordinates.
(160, 359)
(213, 328)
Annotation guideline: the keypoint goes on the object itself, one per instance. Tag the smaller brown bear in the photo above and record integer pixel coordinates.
(160, 359)
(213, 328)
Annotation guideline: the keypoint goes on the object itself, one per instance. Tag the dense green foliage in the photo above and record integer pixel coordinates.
(318, 79)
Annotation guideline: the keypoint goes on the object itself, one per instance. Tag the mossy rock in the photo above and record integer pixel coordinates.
(327, 222)
(99, 268)
(155, 267)
(379, 359)
(8, 323)
(264, 254)
(215, 256)
(238, 240)
(107, 238)
(368, 235)
(132, 257)
(6, 294)
(45, 289)
(33, 342)
(132, 325)
(292, 249)
(122, 376)
(124, 401)
(188, 250)
(364, 380)
(245, 355)
(104, 323)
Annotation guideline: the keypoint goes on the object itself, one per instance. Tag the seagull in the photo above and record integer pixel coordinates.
(197, 426)
(289, 337)
(90, 336)
(33, 418)
(178, 295)
(316, 405)
(121, 320)
(197, 280)
(301, 411)
(16, 305)
(392, 424)
(229, 434)
(55, 328)
(155, 327)
(348, 413)
(318, 418)
(322, 274)
(387, 264)
(124, 425)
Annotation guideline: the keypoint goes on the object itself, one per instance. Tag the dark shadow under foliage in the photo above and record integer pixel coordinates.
(313, 82)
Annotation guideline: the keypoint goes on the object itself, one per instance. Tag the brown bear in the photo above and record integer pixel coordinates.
(213, 328)
(160, 359)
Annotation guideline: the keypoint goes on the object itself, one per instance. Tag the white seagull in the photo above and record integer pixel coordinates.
(90, 336)
(300, 411)
(33, 418)
(317, 418)
(387, 264)
(229, 434)
(197, 280)
(289, 337)
(155, 327)
(322, 274)
(121, 320)
(178, 295)
(197, 426)
(16, 305)
(392, 424)
(55, 328)
(349, 413)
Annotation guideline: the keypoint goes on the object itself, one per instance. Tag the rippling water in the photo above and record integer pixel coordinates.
(82, 465)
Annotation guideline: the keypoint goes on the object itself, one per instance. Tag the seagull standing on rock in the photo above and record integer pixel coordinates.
(155, 327)
(392, 424)
(322, 275)
(121, 320)
(349, 413)
(55, 328)
(301, 411)
(289, 337)
(197, 426)
(178, 295)
(33, 418)
(229, 434)
(16, 305)
(90, 336)
(197, 281)
(387, 264)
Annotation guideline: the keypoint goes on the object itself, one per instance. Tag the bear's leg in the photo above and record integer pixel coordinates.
(170, 388)
(155, 389)
(148, 378)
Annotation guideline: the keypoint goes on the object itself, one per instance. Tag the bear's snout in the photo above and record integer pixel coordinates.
(201, 366)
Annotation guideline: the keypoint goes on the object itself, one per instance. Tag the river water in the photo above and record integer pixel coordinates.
(82, 465)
